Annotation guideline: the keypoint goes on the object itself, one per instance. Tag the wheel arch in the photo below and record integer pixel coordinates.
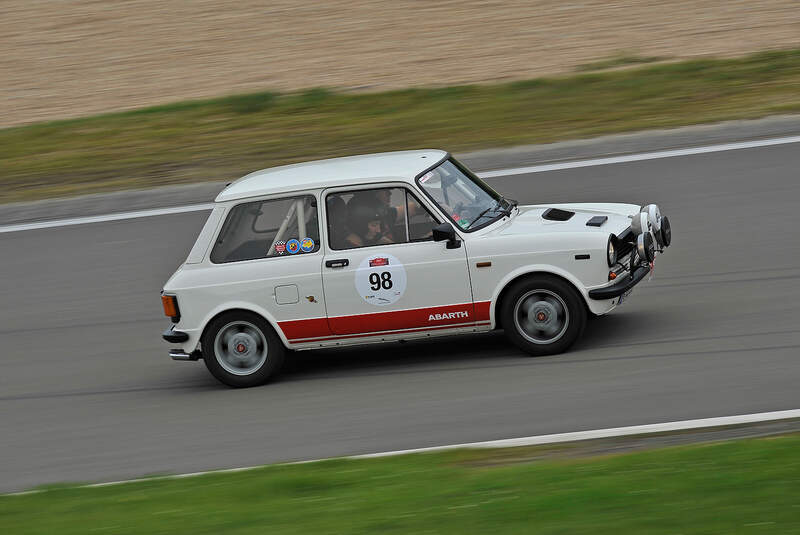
(244, 307)
(502, 289)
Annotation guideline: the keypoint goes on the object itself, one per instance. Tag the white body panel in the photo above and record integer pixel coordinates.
(205, 290)
(330, 309)
(423, 275)
(526, 243)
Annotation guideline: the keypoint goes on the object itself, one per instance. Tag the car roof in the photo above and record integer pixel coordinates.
(364, 169)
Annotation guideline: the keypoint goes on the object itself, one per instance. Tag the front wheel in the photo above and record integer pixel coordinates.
(543, 315)
(240, 349)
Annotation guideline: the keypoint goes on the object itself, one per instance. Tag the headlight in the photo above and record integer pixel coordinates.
(666, 232)
(645, 247)
(653, 217)
(611, 252)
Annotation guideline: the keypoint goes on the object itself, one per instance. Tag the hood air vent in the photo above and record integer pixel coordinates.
(597, 221)
(554, 214)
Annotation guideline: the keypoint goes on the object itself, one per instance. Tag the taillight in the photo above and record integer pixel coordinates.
(170, 304)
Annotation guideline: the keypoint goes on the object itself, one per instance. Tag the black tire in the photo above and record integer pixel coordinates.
(260, 358)
(546, 297)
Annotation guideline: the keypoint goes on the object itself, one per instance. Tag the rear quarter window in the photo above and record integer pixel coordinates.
(265, 229)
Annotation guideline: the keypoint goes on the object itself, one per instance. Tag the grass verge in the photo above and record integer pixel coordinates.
(733, 487)
(225, 138)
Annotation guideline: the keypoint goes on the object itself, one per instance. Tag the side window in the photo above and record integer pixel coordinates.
(420, 220)
(378, 216)
(265, 229)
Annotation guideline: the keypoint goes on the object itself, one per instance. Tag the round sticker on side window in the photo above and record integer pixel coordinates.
(293, 246)
(380, 279)
(307, 245)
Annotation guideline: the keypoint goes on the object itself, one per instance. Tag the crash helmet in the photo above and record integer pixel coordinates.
(360, 215)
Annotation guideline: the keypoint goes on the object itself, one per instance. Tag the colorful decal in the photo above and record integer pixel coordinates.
(463, 223)
(293, 246)
(307, 245)
(456, 217)
(380, 280)
(280, 247)
(427, 176)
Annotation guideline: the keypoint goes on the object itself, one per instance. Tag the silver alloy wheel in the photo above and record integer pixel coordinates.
(541, 316)
(240, 348)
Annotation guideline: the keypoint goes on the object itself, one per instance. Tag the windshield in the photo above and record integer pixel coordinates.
(468, 201)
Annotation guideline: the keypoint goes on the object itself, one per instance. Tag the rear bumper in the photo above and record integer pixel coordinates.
(180, 354)
(622, 286)
(174, 337)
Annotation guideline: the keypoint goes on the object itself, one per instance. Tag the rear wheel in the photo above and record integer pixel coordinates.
(241, 349)
(543, 315)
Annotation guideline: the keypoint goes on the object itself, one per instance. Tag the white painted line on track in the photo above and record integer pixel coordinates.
(611, 432)
(107, 217)
(487, 174)
(537, 440)
(641, 156)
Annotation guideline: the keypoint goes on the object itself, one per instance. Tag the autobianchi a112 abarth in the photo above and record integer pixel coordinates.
(389, 247)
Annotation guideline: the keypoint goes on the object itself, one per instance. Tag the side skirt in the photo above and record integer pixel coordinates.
(391, 336)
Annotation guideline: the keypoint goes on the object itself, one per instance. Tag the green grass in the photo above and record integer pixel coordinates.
(746, 486)
(224, 138)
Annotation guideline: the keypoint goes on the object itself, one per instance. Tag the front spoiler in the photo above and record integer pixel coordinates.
(622, 286)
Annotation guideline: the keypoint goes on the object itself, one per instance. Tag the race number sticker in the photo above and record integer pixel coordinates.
(381, 279)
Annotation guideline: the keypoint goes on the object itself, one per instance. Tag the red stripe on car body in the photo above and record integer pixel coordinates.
(416, 319)
(305, 328)
(482, 309)
(390, 333)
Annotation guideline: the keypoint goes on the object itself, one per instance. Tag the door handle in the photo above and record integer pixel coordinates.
(341, 262)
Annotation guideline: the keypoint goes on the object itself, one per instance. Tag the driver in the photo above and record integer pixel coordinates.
(379, 201)
(365, 222)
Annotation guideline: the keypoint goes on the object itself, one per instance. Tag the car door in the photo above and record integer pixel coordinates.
(395, 278)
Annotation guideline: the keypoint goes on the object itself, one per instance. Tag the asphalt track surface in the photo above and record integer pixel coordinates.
(88, 393)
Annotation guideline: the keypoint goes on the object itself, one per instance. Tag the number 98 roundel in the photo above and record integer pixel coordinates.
(380, 279)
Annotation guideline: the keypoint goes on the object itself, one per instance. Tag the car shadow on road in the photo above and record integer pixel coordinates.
(485, 350)
(396, 355)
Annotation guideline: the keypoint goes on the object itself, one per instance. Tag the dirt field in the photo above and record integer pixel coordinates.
(67, 58)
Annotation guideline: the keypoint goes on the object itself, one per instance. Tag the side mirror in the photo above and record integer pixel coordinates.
(445, 231)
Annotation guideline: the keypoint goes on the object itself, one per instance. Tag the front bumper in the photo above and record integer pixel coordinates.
(622, 286)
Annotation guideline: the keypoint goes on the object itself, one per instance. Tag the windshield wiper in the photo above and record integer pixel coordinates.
(495, 206)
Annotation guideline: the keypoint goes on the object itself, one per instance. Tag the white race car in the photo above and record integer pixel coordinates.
(394, 246)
